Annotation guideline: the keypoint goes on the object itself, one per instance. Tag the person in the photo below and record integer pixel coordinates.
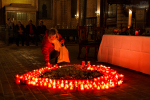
(20, 33)
(41, 29)
(31, 33)
(44, 10)
(9, 23)
(48, 47)
(9, 31)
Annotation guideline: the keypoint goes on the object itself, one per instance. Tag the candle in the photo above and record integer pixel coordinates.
(130, 18)
(136, 33)
(49, 85)
(98, 88)
(88, 63)
(83, 63)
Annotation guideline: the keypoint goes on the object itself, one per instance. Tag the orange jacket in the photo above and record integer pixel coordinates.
(48, 47)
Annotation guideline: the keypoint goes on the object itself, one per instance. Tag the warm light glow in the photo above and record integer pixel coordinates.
(136, 33)
(97, 13)
(130, 18)
(76, 16)
(130, 11)
(109, 79)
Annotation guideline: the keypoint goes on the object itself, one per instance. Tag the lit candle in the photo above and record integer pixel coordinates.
(98, 88)
(49, 85)
(54, 86)
(59, 87)
(17, 76)
(81, 87)
(88, 63)
(83, 63)
(45, 84)
(71, 88)
(136, 33)
(130, 18)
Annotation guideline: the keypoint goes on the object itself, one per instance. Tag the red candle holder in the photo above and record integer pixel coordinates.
(83, 63)
(88, 63)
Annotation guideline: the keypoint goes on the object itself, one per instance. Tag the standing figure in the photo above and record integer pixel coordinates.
(31, 33)
(44, 10)
(9, 23)
(41, 29)
(9, 31)
(20, 33)
(48, 47)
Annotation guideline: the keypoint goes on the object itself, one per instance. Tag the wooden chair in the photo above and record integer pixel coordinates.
(98, 33)
(83, 41)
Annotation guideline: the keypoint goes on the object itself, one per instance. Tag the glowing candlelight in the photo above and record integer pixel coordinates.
(109, 79)
(83, 63)
(49, 85)
(130, 18)
(136, 33)
(98, 88)
(88, 63)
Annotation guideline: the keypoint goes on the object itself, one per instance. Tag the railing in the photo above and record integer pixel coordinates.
(2, 33)
(6, 35)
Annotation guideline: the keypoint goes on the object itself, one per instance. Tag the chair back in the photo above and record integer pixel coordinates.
(98, 33)
(82, 34)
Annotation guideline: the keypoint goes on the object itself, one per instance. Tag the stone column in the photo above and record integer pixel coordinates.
(100, 15)
(0, 12)
(98, 12)
(77, 14)
(82, 13)
(78, 7)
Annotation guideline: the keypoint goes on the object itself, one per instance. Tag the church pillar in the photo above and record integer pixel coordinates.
(100, 13)
(1, 12)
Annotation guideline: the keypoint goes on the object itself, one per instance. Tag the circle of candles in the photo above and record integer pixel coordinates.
(109, 79)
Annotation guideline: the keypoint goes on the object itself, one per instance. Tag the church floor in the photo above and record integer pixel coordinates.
(18, 60)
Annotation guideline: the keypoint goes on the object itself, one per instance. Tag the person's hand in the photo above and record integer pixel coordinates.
(62, 41)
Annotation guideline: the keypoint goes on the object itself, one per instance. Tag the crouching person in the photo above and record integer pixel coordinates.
(48, 46)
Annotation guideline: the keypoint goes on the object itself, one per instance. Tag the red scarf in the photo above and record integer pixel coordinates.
(20, 29)
(31, 29)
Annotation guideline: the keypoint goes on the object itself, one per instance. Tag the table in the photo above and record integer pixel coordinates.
(132, 52)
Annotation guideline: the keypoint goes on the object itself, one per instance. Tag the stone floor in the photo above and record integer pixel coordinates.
(18, 60)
